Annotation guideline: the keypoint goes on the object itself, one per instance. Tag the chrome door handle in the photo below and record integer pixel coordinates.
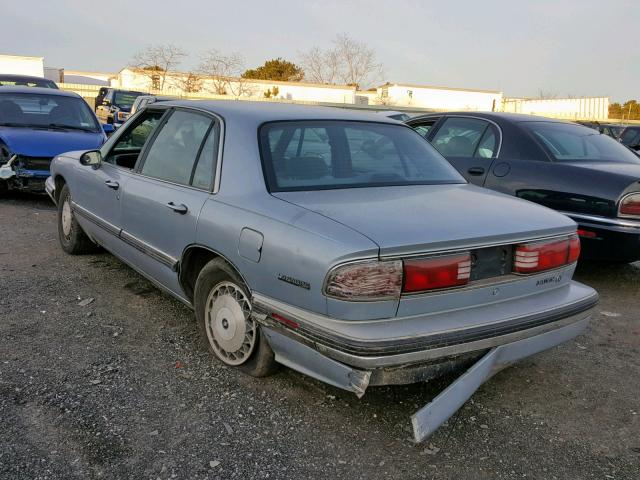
(476, 171)
(181, 209)
(112, 184)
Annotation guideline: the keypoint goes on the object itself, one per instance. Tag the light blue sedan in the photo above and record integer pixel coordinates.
(337, 243)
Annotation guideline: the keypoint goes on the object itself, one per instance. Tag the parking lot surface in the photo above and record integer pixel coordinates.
(104, 376)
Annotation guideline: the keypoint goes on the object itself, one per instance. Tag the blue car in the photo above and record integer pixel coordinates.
(36, 124)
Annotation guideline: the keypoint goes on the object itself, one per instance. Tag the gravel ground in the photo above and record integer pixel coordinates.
(120, 387)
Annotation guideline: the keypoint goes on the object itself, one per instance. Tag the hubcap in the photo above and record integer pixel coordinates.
(230, 329)
(66, 218)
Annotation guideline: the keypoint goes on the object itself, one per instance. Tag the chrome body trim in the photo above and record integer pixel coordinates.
(618, 222)
(149, 250)
(135, 242)
(93, 218)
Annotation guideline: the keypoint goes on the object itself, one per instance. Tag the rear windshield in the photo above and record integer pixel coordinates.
(568, 142)
(319, 155)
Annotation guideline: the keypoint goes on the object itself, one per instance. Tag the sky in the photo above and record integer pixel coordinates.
(562, 47)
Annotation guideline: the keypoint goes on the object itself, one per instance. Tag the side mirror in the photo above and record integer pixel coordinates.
(92, 158)
(108, 128)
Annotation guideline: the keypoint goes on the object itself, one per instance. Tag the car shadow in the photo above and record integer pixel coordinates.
(607, 274)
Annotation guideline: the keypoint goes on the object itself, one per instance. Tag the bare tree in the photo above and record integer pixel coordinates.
(190, 82)
(320, 66)
(156, 61)
(348, 61)
(223, 72)
(546, 94)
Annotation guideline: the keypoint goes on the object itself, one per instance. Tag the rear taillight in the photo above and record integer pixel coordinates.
(540, 256)
(436, 272)
(364, 281)
(630, 206)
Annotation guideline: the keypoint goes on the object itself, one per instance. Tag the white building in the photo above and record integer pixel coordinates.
(88, 78)
(439, 98)
(588, 108)
(174, 83)
(22, 65)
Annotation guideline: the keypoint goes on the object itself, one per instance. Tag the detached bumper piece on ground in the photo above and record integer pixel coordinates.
(296, 342)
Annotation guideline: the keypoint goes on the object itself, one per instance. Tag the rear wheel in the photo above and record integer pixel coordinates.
(73, 240)
(223, 312)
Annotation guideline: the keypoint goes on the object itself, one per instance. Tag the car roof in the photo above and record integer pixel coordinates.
(38, 91)
(507, 116)
(13, 76)
(261, 112)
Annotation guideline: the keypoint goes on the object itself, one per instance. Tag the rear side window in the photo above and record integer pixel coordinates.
(174, 151)
(424, 127)
(568, 142)
(316, 155)
(460, 137)
(206, 166)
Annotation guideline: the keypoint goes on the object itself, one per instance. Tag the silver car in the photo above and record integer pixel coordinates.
(337, 243)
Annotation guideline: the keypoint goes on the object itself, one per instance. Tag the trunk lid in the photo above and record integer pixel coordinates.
(415, 219)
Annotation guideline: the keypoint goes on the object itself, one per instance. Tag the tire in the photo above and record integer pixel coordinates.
(222, 304)
(72, 238)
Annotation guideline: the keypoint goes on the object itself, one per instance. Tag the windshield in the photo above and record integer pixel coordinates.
(42, 110)
(568, 142)
(318, 155)
(125, 99)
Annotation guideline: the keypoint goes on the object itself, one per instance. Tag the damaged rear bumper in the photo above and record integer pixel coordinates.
(354, 365)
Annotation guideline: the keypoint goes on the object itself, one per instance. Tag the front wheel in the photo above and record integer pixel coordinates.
(223, 312)
(73, 240)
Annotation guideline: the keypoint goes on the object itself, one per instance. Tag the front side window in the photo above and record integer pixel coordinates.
(46, 111)
(459, 136)
(173, 153)
(317, 155)
(123, 149)
(568, 142)
(206, 166)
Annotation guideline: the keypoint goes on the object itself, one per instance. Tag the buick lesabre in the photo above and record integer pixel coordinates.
(300, 238)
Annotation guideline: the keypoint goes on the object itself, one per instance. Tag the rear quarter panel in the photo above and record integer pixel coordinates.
(297, 243)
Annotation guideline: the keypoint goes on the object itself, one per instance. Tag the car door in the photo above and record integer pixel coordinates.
(97, 192)
(162, 201)
(470, 144)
